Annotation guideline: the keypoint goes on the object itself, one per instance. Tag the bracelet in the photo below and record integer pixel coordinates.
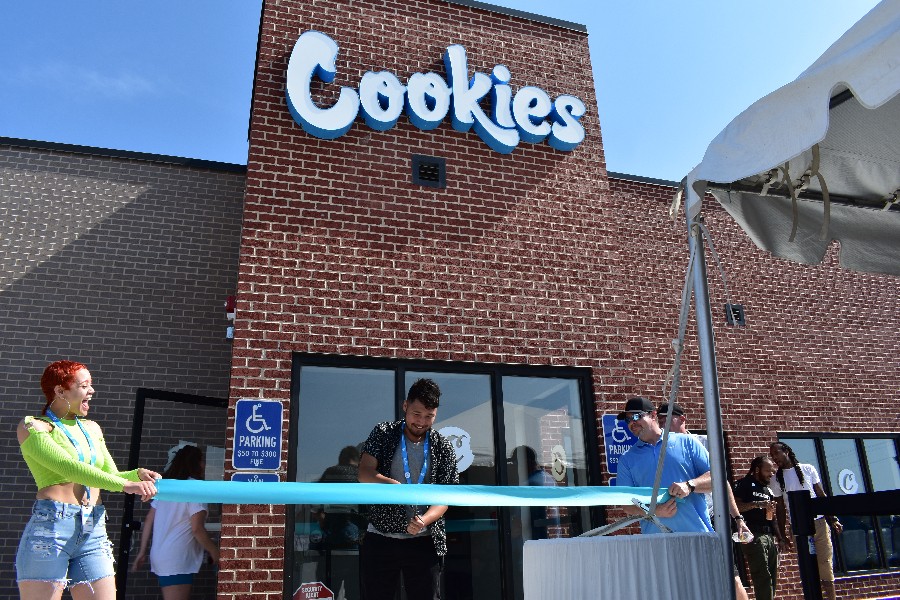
(738, 518)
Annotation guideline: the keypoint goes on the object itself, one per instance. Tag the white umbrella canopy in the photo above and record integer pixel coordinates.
(834, 134)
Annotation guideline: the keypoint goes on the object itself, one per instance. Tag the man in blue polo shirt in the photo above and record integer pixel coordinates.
(685, 473)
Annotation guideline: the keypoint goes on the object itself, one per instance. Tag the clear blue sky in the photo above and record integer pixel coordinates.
(174, 76)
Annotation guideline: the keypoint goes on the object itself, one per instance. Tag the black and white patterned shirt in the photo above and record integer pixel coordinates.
(382, 445)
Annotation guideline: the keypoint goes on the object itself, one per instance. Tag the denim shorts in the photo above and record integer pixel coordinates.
(56, 548)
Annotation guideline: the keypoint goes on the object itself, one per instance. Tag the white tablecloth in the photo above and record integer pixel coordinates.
(627, 567)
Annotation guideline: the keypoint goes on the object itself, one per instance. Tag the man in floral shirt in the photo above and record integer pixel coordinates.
(407, 539)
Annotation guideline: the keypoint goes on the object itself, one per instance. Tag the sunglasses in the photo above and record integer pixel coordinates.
(636, 416)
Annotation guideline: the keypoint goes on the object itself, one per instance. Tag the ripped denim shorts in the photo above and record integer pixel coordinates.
(56, 545)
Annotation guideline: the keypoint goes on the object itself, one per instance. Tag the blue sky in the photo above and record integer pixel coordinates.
(174, 76)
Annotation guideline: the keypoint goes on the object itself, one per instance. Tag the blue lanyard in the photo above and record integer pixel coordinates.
(90, 443)
(406, 457)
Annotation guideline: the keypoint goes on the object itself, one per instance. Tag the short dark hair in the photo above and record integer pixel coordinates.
(348, 455)
(425, 391)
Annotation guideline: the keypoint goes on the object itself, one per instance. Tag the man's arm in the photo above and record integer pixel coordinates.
(666, 509)
(832, 520)
(702, 485)
(368, 471)
(781, 513)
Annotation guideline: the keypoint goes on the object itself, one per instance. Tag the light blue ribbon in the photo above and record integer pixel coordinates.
(267, 492)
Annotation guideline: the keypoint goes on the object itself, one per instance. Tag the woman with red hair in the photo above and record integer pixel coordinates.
(64, 543)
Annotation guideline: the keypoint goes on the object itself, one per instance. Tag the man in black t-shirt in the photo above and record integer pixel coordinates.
(757, 503)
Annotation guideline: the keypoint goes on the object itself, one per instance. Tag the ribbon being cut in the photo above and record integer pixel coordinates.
(239, 492)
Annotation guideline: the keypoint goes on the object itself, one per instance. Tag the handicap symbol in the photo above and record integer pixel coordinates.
(619, 434)
(255, 418)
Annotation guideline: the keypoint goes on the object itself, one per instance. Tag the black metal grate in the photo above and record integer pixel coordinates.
(429, 171)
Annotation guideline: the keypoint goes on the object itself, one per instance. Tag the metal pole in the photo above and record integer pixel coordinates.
(706, 342)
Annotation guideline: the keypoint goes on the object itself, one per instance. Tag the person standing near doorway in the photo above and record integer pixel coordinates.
(178, 531)
(407, 540)
(792, 476)
(757, 503)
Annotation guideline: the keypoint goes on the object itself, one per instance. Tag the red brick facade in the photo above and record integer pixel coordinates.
(341, 253)
(535, 258)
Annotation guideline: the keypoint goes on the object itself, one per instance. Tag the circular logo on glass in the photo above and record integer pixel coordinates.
(462, 445)
(847, 481)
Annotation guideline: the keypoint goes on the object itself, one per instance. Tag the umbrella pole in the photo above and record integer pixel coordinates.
(706, 342)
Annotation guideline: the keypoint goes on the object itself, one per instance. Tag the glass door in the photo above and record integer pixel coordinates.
(509, 425)
(465, 417)
(338, 407)
(545, 445)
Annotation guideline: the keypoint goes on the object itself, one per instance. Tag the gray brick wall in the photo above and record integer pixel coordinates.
(121, 264)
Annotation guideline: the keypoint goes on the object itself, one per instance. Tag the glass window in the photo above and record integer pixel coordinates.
(545, 446)
(805, 451)
(340, 399)
(884, 468)
(857, 542)
(856, 466)
(337, 408)
(844, 469)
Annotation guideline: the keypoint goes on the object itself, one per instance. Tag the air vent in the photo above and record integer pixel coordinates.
(429, 171)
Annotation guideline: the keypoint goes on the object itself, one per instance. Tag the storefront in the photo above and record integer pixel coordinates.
(482, 248)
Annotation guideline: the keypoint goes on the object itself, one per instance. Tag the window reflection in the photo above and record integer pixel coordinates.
(545, 444)
(881, 456)
(867, 543)
(337, 408)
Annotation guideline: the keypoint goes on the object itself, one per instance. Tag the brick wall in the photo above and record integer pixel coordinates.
(525, 258)
(121, 264)
(340, 253)
(817, 354)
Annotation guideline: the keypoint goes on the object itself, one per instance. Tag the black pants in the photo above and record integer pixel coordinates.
(383, 559)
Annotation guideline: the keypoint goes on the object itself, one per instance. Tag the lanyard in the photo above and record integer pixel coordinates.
(90, 443)
(406, 457)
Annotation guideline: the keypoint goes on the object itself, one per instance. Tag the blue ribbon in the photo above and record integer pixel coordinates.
(267, 492)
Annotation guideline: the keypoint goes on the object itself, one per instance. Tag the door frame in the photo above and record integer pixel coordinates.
(129, 525)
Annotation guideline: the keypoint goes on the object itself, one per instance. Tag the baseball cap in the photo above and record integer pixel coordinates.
(636, 404)
(676, 409)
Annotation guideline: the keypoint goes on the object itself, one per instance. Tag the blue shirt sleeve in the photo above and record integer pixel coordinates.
(699, 456)
(623, 473)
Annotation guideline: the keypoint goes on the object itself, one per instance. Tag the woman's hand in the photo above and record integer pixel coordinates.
(139, 561)
(144, 489)
(148, 475)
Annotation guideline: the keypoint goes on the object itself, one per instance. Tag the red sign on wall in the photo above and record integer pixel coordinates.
(315, 590)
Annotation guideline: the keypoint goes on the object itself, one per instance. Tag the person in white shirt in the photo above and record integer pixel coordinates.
(178, 530)
(793, 476)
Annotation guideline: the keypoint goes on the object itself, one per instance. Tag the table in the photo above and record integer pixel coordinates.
(627, 567)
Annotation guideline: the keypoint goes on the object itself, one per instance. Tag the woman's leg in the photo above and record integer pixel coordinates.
(181, 591)
(41, 590)
(102, 589)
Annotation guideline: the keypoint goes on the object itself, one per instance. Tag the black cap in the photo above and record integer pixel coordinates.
(636, 404)
(676, 409)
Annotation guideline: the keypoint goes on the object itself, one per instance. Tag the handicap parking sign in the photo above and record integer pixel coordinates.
(617, 439)
(257, 435)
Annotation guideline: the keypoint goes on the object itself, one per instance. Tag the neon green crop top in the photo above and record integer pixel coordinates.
(53, 459)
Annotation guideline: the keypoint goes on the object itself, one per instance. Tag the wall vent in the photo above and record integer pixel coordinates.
(429, 171)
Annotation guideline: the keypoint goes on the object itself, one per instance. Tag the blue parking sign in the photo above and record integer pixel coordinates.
(255, 477)
(617, 439)
(257, 435)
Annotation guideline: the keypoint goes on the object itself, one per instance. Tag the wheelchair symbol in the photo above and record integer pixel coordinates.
(259, 423)
(619, 434)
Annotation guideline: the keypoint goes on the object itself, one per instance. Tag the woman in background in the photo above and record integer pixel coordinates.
(179, 532)
(65, 543)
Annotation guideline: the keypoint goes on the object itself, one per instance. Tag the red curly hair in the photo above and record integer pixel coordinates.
(61, 372)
